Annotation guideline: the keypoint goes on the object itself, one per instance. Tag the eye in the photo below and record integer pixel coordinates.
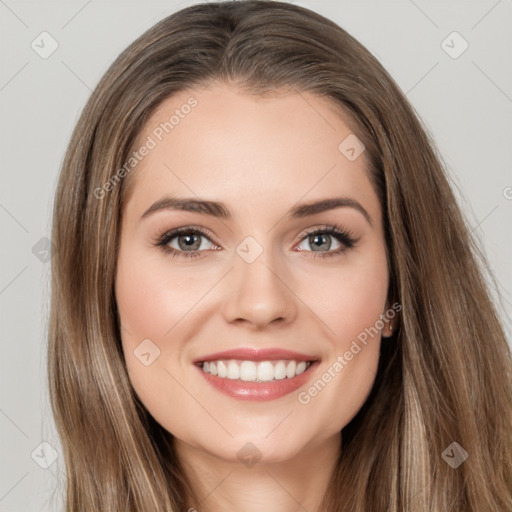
(321, 238)
(187, 241)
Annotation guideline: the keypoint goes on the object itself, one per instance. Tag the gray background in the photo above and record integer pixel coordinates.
(465, 102)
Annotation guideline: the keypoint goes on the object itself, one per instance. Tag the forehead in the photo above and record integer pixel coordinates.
(249, 151)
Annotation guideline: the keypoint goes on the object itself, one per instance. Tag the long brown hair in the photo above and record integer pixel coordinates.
(444, 376)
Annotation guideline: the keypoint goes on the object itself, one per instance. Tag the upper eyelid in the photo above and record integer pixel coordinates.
(173, 233)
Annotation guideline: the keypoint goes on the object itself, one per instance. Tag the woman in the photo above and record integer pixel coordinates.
(200, 357)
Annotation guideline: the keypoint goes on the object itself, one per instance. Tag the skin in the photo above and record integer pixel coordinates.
(259, 156)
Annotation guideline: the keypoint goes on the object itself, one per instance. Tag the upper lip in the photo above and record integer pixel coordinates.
(255, 354)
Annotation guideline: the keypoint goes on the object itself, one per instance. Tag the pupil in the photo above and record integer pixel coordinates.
(318, 240)
(190, 240)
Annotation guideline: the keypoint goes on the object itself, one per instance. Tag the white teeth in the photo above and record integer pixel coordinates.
(301, 368)
(265, 371)
(233, 370)
(251, 371)
(222, 370)
(248, 371)
(290, 369)
(279, 370)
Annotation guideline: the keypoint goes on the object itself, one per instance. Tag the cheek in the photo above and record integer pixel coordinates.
(352, 312)
(353, 298)
(156, 302)
(151, 299)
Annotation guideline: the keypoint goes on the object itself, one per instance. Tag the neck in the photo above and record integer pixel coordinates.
(298, 483)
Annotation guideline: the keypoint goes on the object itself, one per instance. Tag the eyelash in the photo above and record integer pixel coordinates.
(342, 235)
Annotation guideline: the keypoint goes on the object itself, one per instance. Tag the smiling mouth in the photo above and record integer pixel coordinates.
(255, 371)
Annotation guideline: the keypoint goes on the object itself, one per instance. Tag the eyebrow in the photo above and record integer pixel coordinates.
(219, 210)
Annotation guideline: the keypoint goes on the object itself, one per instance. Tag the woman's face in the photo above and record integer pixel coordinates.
(265, 282)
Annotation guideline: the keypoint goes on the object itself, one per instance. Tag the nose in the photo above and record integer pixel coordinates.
(259, 293)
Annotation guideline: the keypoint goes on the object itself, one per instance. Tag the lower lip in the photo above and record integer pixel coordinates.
(261, 391)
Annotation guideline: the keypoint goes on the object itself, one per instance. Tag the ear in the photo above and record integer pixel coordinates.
(390, 321)
(388, 329)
